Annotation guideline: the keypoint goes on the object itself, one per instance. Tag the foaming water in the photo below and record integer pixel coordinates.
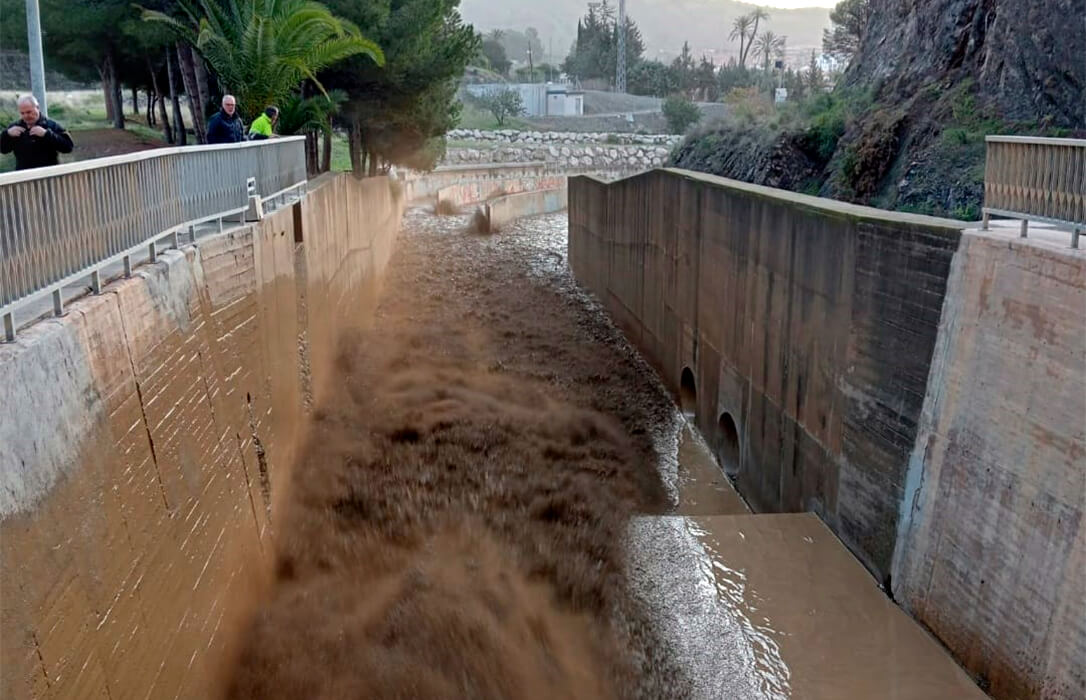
(455, 522)
(704, 612)
(742, 602)
(774, 606)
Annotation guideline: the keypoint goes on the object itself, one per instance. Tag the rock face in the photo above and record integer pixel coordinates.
(1026, 58)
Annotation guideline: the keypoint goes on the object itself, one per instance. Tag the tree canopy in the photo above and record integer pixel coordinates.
(594, 55)
(848, 22)
(394, 112)
(262, 50)
(494, 51)
(393, 66)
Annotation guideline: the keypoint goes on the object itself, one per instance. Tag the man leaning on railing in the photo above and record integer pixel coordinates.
(263, 127)
(35, 140)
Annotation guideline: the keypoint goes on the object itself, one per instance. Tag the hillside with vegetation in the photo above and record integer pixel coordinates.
(904, 127)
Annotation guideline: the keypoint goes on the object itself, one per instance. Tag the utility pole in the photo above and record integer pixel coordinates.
(37, 61)
(531, 66)
(620, 70)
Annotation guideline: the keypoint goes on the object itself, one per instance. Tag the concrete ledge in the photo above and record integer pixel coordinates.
(425, 185)
(476, 191)
(502, 211)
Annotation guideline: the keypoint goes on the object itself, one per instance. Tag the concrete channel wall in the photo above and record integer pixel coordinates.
(921, 389)
(502, 211)
(475, 191)
(425, 185)
(145, 440)
(805, 328)
(992, 546)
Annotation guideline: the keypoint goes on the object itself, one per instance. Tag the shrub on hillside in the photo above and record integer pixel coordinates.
(503, 104)
(681, 114)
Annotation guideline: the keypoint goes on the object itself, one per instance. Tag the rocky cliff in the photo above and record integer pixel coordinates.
(930, 80)
(1026, 58)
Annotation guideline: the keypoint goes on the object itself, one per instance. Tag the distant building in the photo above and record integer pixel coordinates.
(562, 101)
(539, 99)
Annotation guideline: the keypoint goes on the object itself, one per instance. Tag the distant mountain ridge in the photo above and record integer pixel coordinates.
(665, 24)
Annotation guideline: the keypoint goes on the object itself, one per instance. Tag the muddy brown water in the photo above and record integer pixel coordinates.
(500, 500)
(456, 526)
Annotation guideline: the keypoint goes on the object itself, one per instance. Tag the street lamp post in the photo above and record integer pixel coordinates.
(37, 61)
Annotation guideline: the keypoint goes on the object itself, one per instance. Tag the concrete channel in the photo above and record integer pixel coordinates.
(360, 450)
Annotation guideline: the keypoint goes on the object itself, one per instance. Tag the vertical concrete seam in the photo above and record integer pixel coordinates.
(302, 313)
(218, 440)
(261, 458)
(41, 660)
(915, 471)
(143, 409)
(249, 490)
(203, 296)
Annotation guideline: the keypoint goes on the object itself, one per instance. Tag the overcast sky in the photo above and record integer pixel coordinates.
(793, 4)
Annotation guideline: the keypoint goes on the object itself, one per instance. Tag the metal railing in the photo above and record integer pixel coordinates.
(1036, 179)
(63, 223)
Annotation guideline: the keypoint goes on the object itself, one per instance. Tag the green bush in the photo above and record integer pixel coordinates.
(958, 136)
(826, 118)
(966, 212)
(503, 104)
(681, 114)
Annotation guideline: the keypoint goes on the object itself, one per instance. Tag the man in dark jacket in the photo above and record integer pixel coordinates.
(35, 140)
(226, 126)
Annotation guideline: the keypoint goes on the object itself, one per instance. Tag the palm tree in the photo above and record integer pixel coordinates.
(312, 116)
(756, 15)
(769, 44)
(262, 50)
(740, 29)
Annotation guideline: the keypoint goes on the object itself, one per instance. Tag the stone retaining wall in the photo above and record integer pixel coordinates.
(513, 136)
(563, 157)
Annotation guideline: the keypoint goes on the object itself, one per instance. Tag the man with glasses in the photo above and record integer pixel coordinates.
(226, 125)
